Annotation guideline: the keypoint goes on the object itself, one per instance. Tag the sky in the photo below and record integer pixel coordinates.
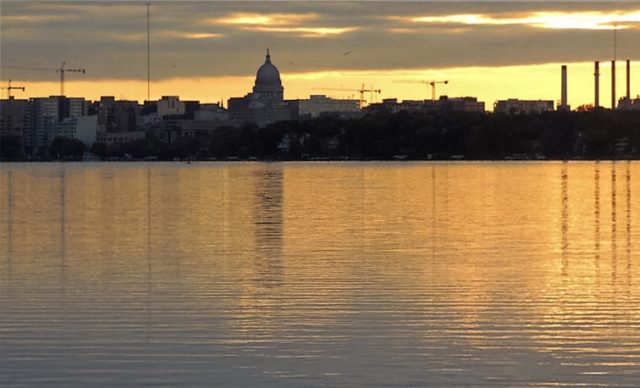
(211, 50)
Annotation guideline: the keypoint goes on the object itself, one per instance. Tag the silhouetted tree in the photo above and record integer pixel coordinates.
(65, 148)
(10, 148)
(99, 149)
(589, 133)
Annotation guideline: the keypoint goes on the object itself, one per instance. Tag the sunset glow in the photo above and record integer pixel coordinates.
(541, 82)
(549, 20)
(210, 53)
(281, 193)
(263, 20)
(307, 32)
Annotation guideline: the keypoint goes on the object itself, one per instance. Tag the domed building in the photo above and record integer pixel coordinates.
(266, 103)
(268, 85)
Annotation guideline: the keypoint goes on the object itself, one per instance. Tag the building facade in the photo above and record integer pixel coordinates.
(83, 128)
(12, 117)
(170, 105)
(117, 116)
(110, 138)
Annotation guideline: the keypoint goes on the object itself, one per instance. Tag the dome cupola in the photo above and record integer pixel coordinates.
(268, 74)
(268, 86)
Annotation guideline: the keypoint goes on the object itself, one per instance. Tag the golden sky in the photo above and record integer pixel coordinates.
(211, 50)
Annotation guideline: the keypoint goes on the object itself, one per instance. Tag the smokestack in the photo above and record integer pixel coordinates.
(613, 84)
(563, 100)
(628, 79)
(596, 76)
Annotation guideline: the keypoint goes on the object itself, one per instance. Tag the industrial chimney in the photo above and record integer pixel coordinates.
(596, 76)
(613, 84)
(563, 99)
(628, 79)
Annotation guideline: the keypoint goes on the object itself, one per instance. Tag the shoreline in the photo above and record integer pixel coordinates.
(350, 160)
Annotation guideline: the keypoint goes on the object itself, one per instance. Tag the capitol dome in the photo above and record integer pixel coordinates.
(268, 86)
(268, 74)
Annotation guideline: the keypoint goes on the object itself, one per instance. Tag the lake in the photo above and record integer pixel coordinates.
(320, 274)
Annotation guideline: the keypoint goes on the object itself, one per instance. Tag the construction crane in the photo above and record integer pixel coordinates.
(63, 70)
(428, 83)
(10, 88)
(362, 91)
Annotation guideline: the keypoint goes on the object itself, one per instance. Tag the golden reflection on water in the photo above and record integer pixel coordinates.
(315, 274)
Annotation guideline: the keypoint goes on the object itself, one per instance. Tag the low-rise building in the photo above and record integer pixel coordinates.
(460, 104)
(211, 112)
(316, 105)
(516, 106)
(457, 104)
(629, 103)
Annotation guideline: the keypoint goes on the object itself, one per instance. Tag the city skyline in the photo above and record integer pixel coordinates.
(492, 50)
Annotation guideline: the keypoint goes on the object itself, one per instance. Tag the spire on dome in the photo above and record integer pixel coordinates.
(268, 60)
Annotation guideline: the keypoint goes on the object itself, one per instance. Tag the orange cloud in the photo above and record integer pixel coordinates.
(280, 22)
(36, 18)
(255, 19)
(193, 35)
(308, 32)
(168, 34)
(547, 20)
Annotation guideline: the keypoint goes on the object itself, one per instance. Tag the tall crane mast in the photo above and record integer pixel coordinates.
(362, 91)
(433, 88)
(62, 70)
(10, 88)
(432, 84)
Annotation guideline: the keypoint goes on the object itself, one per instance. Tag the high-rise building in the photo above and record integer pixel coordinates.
(12, 117)
(170, 105)
(117, 116)
(45, 113)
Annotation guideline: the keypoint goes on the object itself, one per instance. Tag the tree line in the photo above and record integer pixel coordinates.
(586, 134)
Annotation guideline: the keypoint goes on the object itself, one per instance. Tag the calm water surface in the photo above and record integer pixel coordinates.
(326, 274)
